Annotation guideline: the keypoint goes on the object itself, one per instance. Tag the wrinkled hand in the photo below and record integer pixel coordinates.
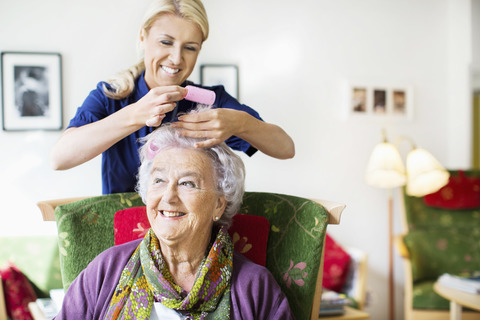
(217, 125)
(150, 110)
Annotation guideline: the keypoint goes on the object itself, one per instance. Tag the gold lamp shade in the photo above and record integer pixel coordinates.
(385, 168)
(425, 174)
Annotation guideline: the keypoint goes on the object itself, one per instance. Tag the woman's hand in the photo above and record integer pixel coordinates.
(151, 109)
(79, 145)
(217, 125)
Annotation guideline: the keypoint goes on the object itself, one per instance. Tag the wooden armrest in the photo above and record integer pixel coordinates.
(3, 308)
(48, 207)
(401, 247)
(334, 210)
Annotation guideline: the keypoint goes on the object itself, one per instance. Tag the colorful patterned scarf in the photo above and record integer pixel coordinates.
(146, 278)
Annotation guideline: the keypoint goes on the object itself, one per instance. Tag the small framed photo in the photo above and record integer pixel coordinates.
(359, 99)
(220, 74)
(399, 101)
(380, 101)
(31, 91)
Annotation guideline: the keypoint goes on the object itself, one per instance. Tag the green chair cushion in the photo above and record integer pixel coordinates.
(434, 251)
(424, 297)
(85, 228)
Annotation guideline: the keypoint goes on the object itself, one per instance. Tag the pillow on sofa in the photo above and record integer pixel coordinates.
(461, 192)
(18, 293)
(335, 265)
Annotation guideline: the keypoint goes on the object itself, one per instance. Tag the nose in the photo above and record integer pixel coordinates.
(175, 55)
(171, 193)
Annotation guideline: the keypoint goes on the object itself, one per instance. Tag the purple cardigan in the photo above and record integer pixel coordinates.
(254, 294)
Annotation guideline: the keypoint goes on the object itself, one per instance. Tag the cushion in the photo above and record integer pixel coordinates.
(250, 236)
(434, 251)
(461, 192)
(130, 224)
(18, 293)
(424, 297)
(249, 233)
(85, 228)
(335, 265)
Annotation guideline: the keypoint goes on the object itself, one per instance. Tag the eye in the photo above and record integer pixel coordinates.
(158, 180)
(190, 48)
(166, 42)
(189, 184)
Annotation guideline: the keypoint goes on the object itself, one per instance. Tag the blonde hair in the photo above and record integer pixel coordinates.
(122, 85)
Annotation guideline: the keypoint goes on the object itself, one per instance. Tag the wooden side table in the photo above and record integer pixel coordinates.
(350, 314)
(457, 300)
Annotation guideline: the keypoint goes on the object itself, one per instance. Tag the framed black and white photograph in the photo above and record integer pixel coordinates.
(31, 91)
(224, 74)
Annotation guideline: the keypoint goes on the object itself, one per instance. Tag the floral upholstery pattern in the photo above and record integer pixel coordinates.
(440, 240)
(85, 228)
(295, 244)
(294, 247)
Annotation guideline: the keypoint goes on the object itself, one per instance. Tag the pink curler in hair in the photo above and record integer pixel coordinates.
(200, 95)
(152, 151)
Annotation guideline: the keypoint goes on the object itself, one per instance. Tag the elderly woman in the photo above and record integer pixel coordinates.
(185, 267)
(133, 104)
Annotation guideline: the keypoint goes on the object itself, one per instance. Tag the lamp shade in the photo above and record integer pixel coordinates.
(425, 174)
(385, 168)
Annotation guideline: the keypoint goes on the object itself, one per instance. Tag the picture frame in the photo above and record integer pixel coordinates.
(379, 101)
(31, 91)
(221, 74)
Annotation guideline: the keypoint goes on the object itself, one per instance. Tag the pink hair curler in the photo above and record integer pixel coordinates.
(152, 151)
(200, 95)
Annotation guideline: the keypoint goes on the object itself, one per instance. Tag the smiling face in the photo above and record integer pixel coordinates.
(182, 203)
(171, 47)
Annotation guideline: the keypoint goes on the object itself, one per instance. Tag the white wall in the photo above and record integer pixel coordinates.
(294, 57)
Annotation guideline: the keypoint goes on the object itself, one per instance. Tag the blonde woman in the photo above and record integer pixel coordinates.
(119, 112)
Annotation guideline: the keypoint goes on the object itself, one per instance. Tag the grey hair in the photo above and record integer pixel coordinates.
(228, 167)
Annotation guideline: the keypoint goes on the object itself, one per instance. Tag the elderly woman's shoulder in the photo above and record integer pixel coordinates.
(255, 293)
(118, 253)
(245, 270)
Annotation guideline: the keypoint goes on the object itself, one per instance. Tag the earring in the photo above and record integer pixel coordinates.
(216, 218)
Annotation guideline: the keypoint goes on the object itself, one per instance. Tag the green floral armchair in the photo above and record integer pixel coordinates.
(294, 249)
(436, 241)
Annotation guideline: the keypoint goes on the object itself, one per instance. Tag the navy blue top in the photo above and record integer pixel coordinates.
(121, 161)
